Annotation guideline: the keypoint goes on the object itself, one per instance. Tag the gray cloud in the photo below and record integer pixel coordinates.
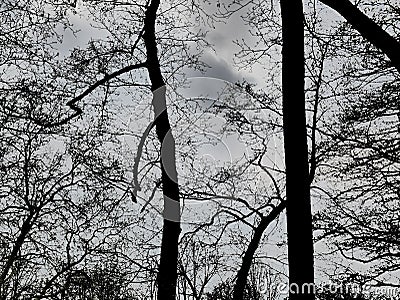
(219, 68)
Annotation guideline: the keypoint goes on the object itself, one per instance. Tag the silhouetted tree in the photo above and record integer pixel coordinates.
(298, 207)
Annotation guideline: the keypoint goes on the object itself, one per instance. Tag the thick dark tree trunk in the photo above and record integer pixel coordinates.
(167, 271)
(368, 29)
(240, 285)
(298, 211)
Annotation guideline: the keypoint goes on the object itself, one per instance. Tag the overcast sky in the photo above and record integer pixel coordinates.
(220, 59)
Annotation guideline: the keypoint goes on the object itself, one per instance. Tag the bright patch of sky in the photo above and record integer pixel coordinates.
(222, 34)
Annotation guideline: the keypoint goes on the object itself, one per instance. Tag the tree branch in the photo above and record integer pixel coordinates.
(241, 280)
(72, 103)
(368, 29)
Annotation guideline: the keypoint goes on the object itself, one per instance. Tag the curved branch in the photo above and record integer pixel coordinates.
(72, 103)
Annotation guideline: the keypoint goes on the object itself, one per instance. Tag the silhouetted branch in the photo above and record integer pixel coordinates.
(371, 31)
(72, 103)
(241, 280)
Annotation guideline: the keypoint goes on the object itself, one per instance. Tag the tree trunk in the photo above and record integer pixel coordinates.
(298, 211)
(167, 270)
(25, 229)
(241, 280)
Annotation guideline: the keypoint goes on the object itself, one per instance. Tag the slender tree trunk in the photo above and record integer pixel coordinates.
(368, 29)
(298, 211)
(25, 229)
(241, 280)
(167, 270)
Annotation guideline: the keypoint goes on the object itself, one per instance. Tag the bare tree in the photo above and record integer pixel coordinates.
(360, 211)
